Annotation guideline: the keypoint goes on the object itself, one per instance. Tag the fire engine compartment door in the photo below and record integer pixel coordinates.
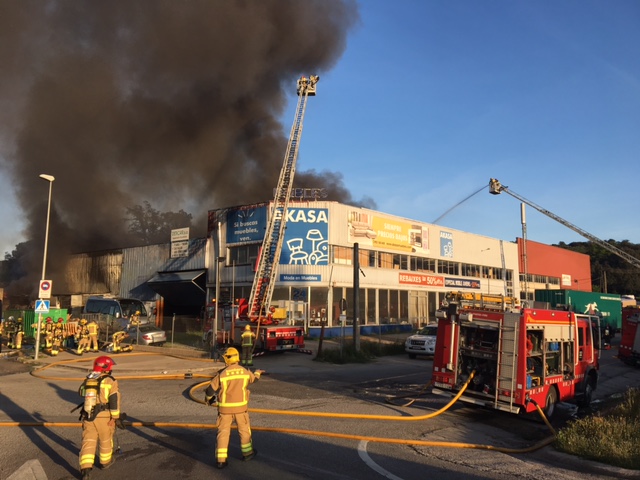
(508, 358)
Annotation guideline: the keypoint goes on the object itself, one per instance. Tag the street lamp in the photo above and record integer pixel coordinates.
(50, 179)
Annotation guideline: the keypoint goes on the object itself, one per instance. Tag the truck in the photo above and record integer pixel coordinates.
(608, 306)
(272, 336)
(629, 348)
(257, 311)
(514, 358)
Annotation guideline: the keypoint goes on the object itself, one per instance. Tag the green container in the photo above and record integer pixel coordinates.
(29, 319)
(608, 306)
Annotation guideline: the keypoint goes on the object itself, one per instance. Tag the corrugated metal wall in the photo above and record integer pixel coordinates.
(139, 264)
(98, 272)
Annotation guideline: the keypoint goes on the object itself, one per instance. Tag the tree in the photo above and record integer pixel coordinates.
(148, 225)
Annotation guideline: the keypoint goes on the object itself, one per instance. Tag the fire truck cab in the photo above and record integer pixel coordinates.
(518, 356)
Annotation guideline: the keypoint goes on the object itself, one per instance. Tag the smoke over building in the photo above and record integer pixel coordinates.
(174, 103)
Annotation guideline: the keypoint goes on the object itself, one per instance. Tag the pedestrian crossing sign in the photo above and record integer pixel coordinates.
(42, 306)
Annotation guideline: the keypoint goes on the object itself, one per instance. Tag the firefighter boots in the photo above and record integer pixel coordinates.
(86, 473)
(246, 458)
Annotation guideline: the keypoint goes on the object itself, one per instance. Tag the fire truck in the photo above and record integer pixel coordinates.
(515, 357)
(257, 312)
(629, 349)
(272, 336)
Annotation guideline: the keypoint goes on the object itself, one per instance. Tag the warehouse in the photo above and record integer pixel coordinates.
(405, 266)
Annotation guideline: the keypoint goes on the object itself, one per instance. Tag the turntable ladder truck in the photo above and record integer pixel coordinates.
(495, 188)
(265, 277)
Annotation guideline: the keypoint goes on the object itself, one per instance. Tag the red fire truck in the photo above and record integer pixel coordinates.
(272, 336)
(518, 356)
(629, 349)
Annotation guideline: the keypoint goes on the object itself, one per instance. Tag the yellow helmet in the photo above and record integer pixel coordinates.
(247, 328)
(83, 321)
(231, 356)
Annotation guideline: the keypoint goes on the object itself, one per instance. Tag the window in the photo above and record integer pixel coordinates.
(244, 254)
(444, 266)
(419, 264)
(342, 255)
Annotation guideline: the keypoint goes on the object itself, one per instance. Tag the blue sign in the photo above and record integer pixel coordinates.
(42, 306)
(446, 244)
(284, 277)
(306, 239)
(246, 224)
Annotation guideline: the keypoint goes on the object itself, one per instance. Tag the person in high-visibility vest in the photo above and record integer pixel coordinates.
(58, 337)
(82, 335)
(18, 334)
(248, 338)
(228, 391)
(94, 329)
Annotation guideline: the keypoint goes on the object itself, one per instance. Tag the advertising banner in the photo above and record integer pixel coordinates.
(246, 224)
(306, 239)
(388, 234)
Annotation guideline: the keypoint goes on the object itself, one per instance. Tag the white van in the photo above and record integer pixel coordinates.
(120, 308)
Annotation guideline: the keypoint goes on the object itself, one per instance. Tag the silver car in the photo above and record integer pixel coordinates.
(148, 335)
(423, 342)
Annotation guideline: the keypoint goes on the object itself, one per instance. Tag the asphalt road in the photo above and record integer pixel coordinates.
(294, 383)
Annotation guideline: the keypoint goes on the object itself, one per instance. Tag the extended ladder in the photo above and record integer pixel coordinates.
(265, 277)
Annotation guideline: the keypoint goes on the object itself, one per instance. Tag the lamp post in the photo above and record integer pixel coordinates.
(50, 179)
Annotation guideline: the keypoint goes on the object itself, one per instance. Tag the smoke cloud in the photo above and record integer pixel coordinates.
(174, 103)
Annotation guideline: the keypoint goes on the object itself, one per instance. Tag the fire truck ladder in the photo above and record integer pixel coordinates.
(507, 359)
(495, 188)
(264, 281)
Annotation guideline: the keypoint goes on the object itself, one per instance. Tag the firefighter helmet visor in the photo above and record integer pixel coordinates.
(103, 364)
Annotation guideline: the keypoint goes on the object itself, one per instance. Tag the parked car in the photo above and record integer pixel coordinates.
(148, 335)
(423, 342)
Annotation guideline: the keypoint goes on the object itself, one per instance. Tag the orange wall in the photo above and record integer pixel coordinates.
(555, 261)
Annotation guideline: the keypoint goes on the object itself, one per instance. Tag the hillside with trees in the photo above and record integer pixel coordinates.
(609, 272)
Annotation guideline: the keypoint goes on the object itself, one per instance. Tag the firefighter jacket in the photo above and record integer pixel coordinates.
(93, 328)
(247, 338)
(231, 385)
(108, 401)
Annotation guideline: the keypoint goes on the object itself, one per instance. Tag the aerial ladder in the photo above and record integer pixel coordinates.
(495, 188)
(265, 277)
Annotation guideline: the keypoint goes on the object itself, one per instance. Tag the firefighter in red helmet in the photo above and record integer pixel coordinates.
(228, 391)
(100, 415)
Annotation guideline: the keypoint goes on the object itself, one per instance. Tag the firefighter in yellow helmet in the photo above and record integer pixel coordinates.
(58, 337)
(100, 415)
(248, 337)
(228, 391)
(118, 338)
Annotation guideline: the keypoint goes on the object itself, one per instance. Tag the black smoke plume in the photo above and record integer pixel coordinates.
(174, 103)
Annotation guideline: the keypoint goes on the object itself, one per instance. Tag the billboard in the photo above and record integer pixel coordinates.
(306, 239)
(246, 224)
(388, 234)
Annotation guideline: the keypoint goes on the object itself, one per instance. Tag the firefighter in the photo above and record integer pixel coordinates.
(9, 329)
(94, 330)
(228, 391)
(135, 319)
(17, 335)
(1, 331)
(82, 336)
(247, 345)
(58, 337)
(117, 339)
(100, 415)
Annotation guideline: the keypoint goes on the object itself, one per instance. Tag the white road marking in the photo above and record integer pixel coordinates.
(362, 452)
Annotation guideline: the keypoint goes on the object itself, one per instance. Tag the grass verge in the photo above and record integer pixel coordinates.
(610, 436)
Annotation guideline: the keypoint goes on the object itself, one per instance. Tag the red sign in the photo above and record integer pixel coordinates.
(422, 280)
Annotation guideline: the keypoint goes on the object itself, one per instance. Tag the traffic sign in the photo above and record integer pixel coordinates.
(45, 289)
(42, 306)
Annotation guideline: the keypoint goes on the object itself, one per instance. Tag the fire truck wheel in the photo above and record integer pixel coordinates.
(585, 401)
(550, 403)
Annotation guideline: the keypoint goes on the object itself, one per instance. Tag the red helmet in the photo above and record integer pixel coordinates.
(103, 364)
(60, 320)
(49, 320)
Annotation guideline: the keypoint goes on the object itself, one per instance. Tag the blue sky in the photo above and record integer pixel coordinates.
(433, 98)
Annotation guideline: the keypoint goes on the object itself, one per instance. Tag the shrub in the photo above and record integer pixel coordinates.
(611, 436)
